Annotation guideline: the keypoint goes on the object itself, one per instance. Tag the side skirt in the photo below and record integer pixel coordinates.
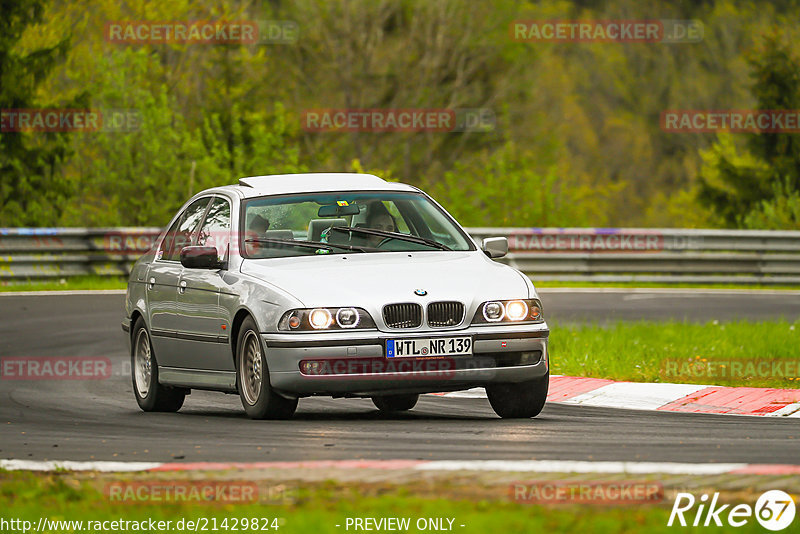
(197, 378)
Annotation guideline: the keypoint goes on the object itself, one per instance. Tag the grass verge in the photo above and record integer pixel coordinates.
(739, 353)
(324, 508)
(73, 283)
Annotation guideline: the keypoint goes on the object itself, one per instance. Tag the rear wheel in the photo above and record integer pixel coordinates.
(150, 395)
(395, 403)
(258, 398)
(522, 400)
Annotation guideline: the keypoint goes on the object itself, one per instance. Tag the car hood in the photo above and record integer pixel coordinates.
(374, 279)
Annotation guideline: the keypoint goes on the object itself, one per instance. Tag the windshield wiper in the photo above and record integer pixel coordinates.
(304, 244)
(393, 235)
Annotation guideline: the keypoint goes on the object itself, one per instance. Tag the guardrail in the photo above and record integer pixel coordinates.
(565, 254)
(41, 253)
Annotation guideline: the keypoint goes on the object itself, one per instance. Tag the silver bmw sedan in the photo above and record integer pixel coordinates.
(341, 285)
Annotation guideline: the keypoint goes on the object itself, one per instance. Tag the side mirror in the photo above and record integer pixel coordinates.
(200, 258)
(495, 247)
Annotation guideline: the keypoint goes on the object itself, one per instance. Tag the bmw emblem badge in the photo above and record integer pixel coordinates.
(420, 292)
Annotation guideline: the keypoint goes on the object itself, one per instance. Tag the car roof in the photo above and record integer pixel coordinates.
(284, 184)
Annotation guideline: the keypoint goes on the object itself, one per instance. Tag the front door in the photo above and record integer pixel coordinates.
(203, 326)
(163, 280)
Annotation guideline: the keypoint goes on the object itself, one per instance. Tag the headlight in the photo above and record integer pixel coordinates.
(318, 319)
(509, 311)
(516, 310)
(493, 311)
(347, 317)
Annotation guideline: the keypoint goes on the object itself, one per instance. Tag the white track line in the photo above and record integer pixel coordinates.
(515, 466)
(559, 466)
(106, 467)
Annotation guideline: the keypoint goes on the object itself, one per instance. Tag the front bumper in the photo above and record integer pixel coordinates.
(357, 365)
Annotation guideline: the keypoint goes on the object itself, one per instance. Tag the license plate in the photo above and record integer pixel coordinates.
(424, 347)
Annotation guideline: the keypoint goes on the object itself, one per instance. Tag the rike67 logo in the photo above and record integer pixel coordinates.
(774, 510)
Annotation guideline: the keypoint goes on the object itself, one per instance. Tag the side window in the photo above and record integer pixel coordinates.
(166, 245)
(216, 228)
(180, 234)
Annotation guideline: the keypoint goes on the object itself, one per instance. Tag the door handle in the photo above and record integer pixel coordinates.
(182, 286)
(151, 283)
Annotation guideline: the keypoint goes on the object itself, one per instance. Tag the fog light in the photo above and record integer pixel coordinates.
(530, 358)
(320, 318)
(516, 310)
(493, 311)
(347, 317)
(311, 367)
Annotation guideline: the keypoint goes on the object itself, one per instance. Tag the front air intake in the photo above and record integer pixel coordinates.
(406, 315)
(441, 314)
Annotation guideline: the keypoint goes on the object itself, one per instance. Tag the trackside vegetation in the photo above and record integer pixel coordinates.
(714, 353)
(576, 138)
(324, 508)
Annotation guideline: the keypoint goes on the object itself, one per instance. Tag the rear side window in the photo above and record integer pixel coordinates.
(216, 229)
(180, 233)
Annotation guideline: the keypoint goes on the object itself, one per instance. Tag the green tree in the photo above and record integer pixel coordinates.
(141, 176)
(782, 212)
(763, 175)
(32, 189)
(505, 188)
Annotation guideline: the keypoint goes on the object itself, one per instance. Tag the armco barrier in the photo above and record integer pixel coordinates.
(567, 254)
(37, 253)
(652, 254)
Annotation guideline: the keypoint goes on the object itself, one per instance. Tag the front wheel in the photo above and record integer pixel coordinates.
(517, 401)
(255, 391)
(150, 395)
(395, 403)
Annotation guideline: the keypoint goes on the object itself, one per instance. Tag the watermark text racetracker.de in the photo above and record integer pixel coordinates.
(607, 31)
(378, 120)
(534, 240)
(730, 369)
(583, 492)
(69, 120)
(199, 524)
(160, 492)
(731, 120)
(55, 368)
(599, 240)
(408, 368)
(203, 32)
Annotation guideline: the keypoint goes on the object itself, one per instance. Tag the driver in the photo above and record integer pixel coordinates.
(379, 218)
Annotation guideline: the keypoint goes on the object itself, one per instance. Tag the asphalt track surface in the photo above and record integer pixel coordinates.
(99, 419)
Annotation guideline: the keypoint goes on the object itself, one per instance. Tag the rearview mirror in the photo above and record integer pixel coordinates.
(337, 210)
(200, 258)
(495, 247)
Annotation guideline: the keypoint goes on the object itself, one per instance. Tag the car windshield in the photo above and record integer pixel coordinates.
(365, 222)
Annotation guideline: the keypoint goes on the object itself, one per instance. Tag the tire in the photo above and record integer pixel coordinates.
(517, 401)
(252, 378)
(150, 395)
(395, 403)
